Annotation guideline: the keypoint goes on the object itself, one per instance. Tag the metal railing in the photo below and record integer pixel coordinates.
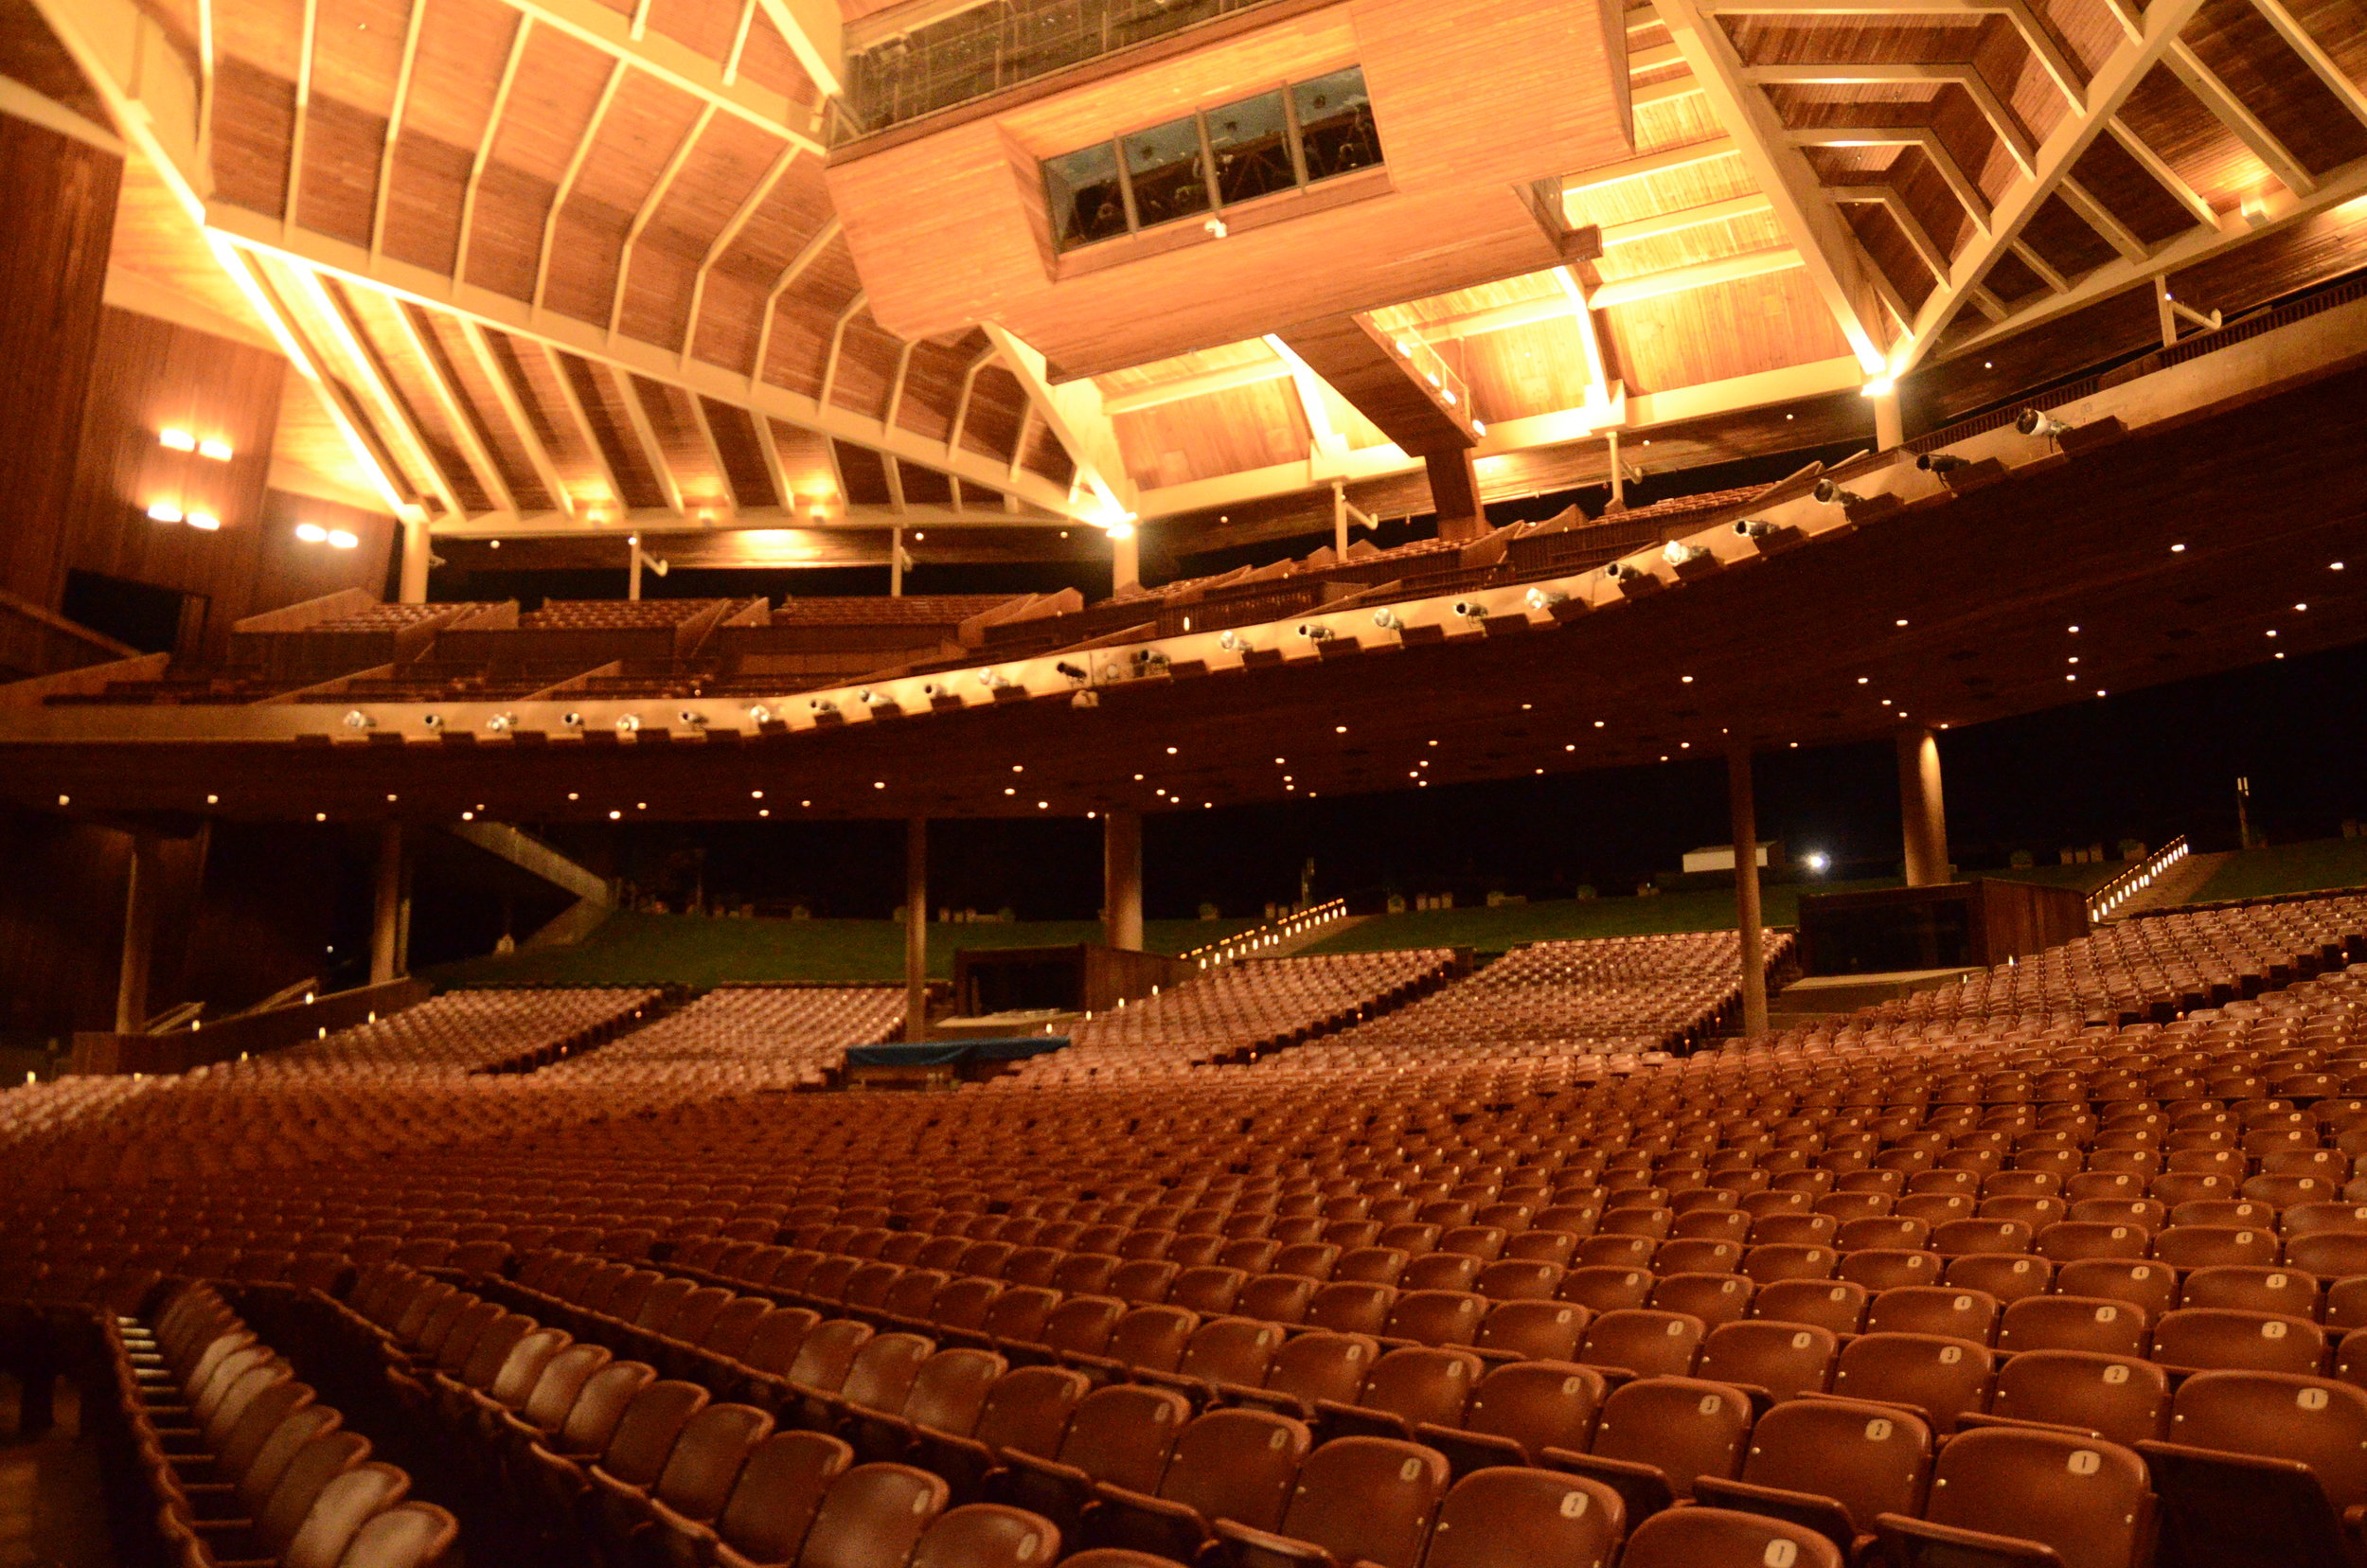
(1248, 944)
(2115, 894)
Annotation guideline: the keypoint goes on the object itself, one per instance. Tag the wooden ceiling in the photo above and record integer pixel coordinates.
(570, 265)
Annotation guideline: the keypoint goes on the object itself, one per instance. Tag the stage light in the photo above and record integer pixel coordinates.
(1754, 528)
(1677, 553)
(176, 441)
(208, 522)
(1072, 672)
(1545, 598)
(357, 720)
(339, 539)
(164, 511)
(218, 451)
(615, 816)
(2031, 422)
(1386, 619)
(822, 704)
(1940, 462)
(573, 720)
(1616, 571)
(763, 715)
(501, 723)
(311, 533)
(1315, 633)
(994, 680)
(433, 720)
(1817, 860)
(1233, 642)
(1833, 495)
(628, 723)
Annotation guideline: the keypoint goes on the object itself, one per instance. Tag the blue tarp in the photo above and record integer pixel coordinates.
(948, 1053)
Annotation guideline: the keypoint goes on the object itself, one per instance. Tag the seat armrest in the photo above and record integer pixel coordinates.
(1246, 1548)
(1908, 1541)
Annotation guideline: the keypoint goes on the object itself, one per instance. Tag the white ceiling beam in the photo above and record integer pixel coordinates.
(2232, 112)
(2102, 218)
(815, 245)
(2035, 35)
(817, 34)
(1572, 289)
(1922, 138)
(396, 414)
(730, 492)
(1649, 163)
(572, 401)
(566, 187)
(506, 393)
(656, 524)
(1075, 412)
(1636, 230)
(2122, 70)
(838, 344)
(1202, 384)
(2168, 178)
(485, 145)
(292, 194)
(393, 137)
(507, 313)
(1322, 434)
(645, 435)
(961, 403)
(648, 209)
(454, 403)
(2044, 270)
(677, 65)
(1612, 293)
(1902, 212)
(2001, 119)
(728, 236)
(768, 449)
(1779, 169)
(2328, 70)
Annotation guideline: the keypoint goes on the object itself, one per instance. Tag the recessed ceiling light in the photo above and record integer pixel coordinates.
(2178, 549)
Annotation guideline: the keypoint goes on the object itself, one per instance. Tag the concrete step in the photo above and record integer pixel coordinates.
(2177, 885)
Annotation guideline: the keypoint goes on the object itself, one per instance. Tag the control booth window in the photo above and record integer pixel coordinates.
(1193, 168)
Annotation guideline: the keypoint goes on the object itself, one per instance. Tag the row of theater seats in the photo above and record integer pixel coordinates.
(472, 1031)
(213, 1453)
(620, 615)
(1256, 1004)
(748, 1038)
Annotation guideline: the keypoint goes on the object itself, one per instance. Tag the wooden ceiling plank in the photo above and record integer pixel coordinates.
(1702, 274)
(2035, 35)
(2328, 70)
(245, 272)
(838, 347)
(1639, 229)
(2001, 119)
(553, 356)
(459, 412)
(715, 451)
(1077, 416)
(679, 66)
(1921, 137)
(823, 239)
(1203, 384)
(2119, 77)
(961, 403)
(506, 392)
(1650, 163)
(817, 34)
(328, 302)
(650, 203)
(1820, 238)
(303, 116)
(566, 187)
(394, 125)
(1902, 213)
(1322, 435)
(2101, 218)
(653, 450)
(739, 42)
(2054, 280)
(729, 236)
(2169, 178)
(485, 144)
(2237, 117)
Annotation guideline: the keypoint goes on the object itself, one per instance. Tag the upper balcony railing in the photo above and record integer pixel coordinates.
(991, 48)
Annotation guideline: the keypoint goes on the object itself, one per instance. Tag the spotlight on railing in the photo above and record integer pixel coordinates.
(2031, 422)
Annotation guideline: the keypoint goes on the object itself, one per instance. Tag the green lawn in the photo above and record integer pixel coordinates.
(692, 950)
(1496, 930)
(2289, 869)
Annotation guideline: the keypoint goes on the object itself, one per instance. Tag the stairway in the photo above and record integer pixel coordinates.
(2177, 885)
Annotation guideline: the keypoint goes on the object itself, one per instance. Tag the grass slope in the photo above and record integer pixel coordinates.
(2288, 868)
(693, 951)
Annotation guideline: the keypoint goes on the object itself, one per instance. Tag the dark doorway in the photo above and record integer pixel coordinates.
(152, 619)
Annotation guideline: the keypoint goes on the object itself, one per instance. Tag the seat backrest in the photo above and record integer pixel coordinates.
(1237, 1465)
(1685, 1426)
(1421, 1384)
(951, 1388)
(409, 1534)
(1368, 1499)
(638, 1451)
(1507, 1517)
(2313, 1421)
(2122, 1398)
(1323, 1365)
(1934, 1310)
(1122, 1434)
(1538, 1405)
(872, 1517)
(987, 1535)
(1935, 1375)
(779, 1490)
(1871, 1459)
(1533, 1329)
(1029, 1410)
(308, 1473)
(778, 1335)
(1231, 1350)
(1786, 1359)
(881, 1373)
(2087, 1500)
(2223, 1339)
(1649, 1344)
(344, 1505)
(1720, 1538)
(707, 1458)
(1837, 1305)
(2071, 1323)
(289, 1438)
(592, 1420)
(1152, 1338)
(827, 1354)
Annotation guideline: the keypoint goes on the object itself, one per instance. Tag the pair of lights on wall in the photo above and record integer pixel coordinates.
(339, 539)
(181, 440)
(165, 511)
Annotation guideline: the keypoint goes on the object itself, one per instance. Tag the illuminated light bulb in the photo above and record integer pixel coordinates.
(219, 451)
(203, 522)
(311, 533)
(1880, 387)
(177, 441)
(165, 511)
(341, 538)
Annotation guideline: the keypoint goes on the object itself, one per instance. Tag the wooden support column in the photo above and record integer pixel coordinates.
(1125, 558)
(1618, 470)
(633, 568)
(387, 906)
(417, 549)
(1890, 425)
(1122, 879)
(142, 901)
(1454, 490)
(916, 929)
(1340, 522)
(896, 563)
(1743, 806)
(1920, 807)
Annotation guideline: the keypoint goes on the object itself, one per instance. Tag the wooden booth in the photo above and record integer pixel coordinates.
(1952, 925)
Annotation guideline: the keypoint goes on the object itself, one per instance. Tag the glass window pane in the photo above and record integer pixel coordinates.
(1251, 142)
(1165, 168)
(1083, 189)
(1336, 123)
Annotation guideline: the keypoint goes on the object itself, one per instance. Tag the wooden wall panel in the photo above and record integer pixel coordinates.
(289, 570)
(148, 376)
(61, 924)
(59, 195)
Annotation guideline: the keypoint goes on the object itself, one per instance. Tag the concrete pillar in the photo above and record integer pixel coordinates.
(1743, 806)
(1122, 879)
(1125, 558)
(916, 929)
(415, 549)
(142, 899)
(1340, 522)
(1920, 809)
(633, 567)
(896, 563)
(387, 906)
(1890, 426)
(1618, 469)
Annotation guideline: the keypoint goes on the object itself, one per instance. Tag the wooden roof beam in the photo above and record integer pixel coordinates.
(646, 436)
(2237, 117)
(393, 138)
(459, 412)
(838, 345)
(291, 195)
(678, 65)
(1922, 138)
(961, 402)
(330, 305)
(566, 186)
(2001, 119)
(2035, 35)
(1638, 229)
(1649, 163)
(818, 243)
(1075, 413)
(648, 209)
(1572, 289)
(1902, 213)
(484, 148)
(816, 32)
(506, 393)
(1322, 435)
(728, 236)
(1822, 241)
(2327, 69)
(2122, 70)
(555, 358)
